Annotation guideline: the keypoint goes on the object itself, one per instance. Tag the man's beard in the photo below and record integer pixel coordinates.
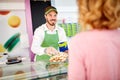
(52, 24)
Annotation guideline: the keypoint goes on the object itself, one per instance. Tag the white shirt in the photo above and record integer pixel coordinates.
(39, 37)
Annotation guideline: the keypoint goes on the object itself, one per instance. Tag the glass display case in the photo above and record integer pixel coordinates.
(34, 71)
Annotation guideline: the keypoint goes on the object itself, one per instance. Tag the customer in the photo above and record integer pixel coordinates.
(95, 54)
(47, 36)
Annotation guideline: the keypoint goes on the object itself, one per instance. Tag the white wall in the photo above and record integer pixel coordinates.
(67, 9)
(17, 8)
(12, 4)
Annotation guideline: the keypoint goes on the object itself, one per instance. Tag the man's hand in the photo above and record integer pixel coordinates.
(51, 51)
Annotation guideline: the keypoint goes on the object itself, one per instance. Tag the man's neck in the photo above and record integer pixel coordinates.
(50, 27)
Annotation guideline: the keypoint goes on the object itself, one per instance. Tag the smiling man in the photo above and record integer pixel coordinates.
(47, 36)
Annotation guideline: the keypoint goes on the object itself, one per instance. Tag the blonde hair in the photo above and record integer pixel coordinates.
(99, 14)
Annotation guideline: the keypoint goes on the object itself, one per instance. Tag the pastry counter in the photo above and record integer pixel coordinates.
(32, 70)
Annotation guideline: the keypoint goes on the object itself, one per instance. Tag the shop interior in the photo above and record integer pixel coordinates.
(19, 19)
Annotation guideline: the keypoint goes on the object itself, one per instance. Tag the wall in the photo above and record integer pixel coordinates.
(12, 5)
(37, 11)
(67, 11)
(17, 17)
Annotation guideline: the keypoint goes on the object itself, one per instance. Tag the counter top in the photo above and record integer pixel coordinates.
(32, 70)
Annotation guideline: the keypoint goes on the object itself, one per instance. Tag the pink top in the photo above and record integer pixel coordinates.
(95, 55)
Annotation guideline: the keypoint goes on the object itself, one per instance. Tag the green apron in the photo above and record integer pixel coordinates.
(50, 40)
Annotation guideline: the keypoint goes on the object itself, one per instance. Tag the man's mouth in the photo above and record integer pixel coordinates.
(52, 20)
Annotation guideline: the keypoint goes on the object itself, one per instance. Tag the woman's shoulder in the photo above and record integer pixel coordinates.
(96, 34)
(86, 35)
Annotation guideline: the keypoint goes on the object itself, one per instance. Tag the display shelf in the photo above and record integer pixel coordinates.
(31, 71)
(71, 29)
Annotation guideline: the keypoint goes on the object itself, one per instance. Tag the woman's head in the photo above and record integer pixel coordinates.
(99, 14)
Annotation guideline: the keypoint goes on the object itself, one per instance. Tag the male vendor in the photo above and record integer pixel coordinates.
(47, 36)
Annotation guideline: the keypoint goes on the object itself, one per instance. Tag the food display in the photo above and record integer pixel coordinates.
(51, 66)
(61, 57)
(20, 75)
(55, 61)
(0, 56)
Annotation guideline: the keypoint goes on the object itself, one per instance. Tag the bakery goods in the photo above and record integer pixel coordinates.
(61, 57)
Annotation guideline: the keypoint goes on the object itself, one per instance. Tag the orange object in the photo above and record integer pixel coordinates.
(20, 75)
(14, 21)
(4, 12)
(2, 49)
